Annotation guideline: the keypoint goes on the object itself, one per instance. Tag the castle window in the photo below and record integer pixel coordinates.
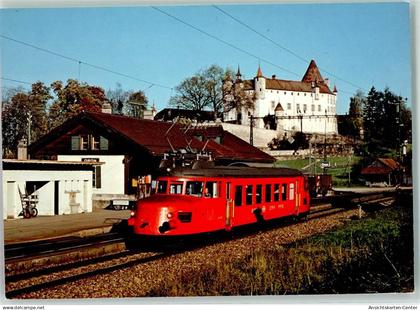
(313, 108)
(304, 108)
(285, 93)
(289, 106)
(291, 93)
(273, 104)
(298, 107)
(304, 94)
(319, 108)
(277, 91)
(298, 94)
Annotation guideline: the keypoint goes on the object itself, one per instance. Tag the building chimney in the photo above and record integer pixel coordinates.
(106, 108)
(22, 150)
(273, 76)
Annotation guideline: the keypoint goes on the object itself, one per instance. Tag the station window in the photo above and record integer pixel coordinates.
(284, 192)
(175, 188)
(194, 188)
(268, 193)
(238, 195)
(96, 177)
(276, 192)
(162, 187)
(211, 190)
(258, 193)
(292, 191)
(248, 190)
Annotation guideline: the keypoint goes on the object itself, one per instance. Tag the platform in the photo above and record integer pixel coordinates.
(47, 227)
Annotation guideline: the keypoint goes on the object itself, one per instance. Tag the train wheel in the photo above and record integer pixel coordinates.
(34, 212)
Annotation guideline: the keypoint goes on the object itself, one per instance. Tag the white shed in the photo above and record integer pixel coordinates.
(61, 187)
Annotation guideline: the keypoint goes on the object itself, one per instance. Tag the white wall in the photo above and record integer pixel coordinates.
(80, 181)
(112, 172)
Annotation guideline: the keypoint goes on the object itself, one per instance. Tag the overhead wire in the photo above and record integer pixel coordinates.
(80, 62)
(223, 41)
(283, 47)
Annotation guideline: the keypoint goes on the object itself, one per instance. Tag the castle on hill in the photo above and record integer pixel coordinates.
(288, 106)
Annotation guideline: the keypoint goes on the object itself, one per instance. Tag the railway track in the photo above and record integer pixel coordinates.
(34, 280)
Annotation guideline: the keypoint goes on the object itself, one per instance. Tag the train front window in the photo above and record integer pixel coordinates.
(194, 188)
(162, 187)
(175, 188)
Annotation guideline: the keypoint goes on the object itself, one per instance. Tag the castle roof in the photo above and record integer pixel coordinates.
(312, 74)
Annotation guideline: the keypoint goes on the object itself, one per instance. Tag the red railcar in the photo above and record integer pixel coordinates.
(194, 201)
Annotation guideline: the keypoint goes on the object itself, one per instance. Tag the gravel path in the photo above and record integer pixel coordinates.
(137, 281)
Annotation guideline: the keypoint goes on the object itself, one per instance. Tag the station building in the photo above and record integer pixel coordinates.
(55, 187)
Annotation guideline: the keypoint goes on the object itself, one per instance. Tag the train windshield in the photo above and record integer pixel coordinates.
(194, 188)
(175, 188)
(162, 187)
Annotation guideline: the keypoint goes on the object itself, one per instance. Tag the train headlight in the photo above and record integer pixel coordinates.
(132, 213)
(169, 215)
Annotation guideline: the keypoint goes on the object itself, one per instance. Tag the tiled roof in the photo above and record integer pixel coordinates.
(312, 74)
(286, 85)
(381, 166)
(158, 138)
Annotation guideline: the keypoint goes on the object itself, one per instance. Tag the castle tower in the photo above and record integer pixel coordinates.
(259, 84)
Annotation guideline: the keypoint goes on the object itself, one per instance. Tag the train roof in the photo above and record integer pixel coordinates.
(245, 172)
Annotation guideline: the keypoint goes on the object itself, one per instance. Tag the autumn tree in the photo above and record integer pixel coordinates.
(137, 103)
(24, 115)
(73, 98)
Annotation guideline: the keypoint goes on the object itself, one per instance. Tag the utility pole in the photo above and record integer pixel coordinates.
(251, 130)
(29, 118)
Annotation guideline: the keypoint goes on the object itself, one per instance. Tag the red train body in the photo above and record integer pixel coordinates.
(194, 201)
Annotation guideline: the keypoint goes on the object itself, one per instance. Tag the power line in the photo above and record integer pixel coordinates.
(282, 47)
(223, 41)
(80, 62)
(17, 81)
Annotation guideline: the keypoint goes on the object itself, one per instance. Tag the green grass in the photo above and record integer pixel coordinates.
(340, 166)
(370, 255)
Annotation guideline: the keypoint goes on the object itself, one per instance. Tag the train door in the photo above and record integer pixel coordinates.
(297, 197)
(229, 207)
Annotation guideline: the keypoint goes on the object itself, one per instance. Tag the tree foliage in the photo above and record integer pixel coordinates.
(386, 121)
(73, 98)
(137, 103)
(201, 91)
(21, 112)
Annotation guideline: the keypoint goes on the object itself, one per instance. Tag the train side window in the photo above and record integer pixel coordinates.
(238, 195)
(248, 190)
(228, 190)
(276, 192)
(258, 193)
(194, 188)
(268, 193)
(284, 192)
(162, 187)
(175, 188)
(292, 191)
(211, 190)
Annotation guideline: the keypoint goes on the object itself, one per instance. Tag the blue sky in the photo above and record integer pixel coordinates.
(364, 44)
